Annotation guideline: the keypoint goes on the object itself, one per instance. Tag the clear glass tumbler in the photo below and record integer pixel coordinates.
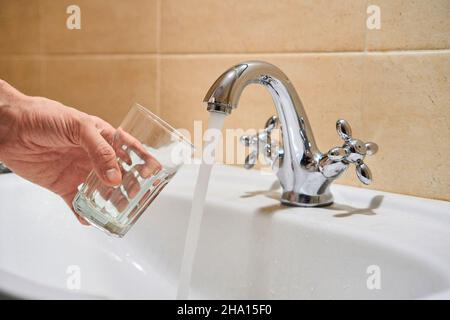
(149, 152)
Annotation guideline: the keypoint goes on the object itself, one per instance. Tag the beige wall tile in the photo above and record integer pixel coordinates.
(401, 101)
(19, 26)
(262, 25)
(407, 112)
(101, 85)
(23, 73)
(407, 25)
(329, 86)
(107, 26)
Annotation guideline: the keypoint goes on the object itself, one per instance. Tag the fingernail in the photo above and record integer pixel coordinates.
(112, 175)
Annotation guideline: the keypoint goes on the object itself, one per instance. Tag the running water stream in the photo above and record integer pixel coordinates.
(198, 202)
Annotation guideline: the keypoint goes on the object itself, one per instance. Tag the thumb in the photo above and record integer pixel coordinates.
(102, 155)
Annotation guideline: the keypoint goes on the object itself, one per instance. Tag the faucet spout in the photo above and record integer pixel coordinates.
(304, 172)
(224, 94)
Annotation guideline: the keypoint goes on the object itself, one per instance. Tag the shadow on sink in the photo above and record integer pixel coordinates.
(350, 210)
(274, 193)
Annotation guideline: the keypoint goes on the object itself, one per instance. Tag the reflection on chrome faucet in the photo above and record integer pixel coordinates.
(4, 169)
(304, 172)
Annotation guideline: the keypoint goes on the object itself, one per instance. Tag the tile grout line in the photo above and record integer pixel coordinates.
(218, 55)
(158, 58)
(312, 53)
(364, 75)
(78, 55)
(42, 63)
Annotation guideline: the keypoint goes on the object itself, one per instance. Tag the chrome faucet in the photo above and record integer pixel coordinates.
(3, 168)
(304, 172)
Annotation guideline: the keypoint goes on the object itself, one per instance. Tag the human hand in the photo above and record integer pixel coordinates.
(53, 145)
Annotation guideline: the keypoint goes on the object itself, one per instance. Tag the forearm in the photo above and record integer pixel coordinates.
(9, 98)
(5, 126)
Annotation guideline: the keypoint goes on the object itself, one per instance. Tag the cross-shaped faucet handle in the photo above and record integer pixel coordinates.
(262, 142)
(353, 151)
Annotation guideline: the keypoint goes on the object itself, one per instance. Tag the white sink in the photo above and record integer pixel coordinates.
(250, 246)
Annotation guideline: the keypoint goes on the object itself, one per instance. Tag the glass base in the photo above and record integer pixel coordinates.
(98, 219)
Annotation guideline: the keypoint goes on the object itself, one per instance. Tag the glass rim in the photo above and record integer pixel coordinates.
(167, 127)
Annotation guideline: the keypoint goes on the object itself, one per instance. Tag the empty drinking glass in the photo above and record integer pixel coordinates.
(149, 153)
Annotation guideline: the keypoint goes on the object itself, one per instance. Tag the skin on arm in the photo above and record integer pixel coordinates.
(53, 145)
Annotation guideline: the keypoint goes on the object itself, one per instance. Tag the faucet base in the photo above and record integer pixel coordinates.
(290, 198)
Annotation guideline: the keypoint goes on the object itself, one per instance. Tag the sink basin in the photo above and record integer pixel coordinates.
(250, 246)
